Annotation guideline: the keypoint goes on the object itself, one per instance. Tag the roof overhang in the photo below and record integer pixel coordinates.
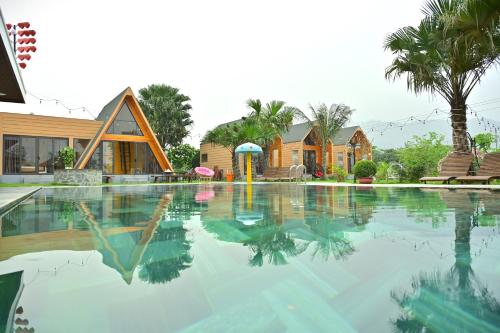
(11, 85)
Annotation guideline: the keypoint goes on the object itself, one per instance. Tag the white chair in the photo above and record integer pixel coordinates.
(302, 173)
(292, 173)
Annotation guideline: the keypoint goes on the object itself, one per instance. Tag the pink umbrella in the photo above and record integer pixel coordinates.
(205, 172)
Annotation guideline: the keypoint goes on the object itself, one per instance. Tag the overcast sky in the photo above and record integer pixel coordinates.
(220, 53)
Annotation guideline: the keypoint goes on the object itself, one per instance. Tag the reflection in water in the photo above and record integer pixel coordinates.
(167, 255)
(456, 300)
(150, 233)
(291, 219)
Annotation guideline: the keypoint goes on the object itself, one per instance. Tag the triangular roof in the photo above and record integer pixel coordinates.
(124, 251)
(108, 115)
(344, 135)
(296, 132)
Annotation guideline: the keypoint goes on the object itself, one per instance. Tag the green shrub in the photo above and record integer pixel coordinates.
(364, 168)
(67, 156)
(184, 157)
(338, 173)
(421, 156)
(382, 169)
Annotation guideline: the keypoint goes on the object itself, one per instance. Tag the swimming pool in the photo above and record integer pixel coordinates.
(280, 258)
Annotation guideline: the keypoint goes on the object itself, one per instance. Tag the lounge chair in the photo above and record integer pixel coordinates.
(454, 165)
(276, 174)
(489, 170)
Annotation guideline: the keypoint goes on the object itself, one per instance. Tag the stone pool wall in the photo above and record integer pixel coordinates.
(78, 177)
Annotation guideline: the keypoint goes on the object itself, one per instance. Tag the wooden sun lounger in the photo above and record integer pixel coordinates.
(276, 174)
(488, 171)
(454, 165)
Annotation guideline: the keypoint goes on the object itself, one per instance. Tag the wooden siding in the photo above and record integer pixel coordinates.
(287, 153)
(27, 124)
(217, 156)
(220, 157)
(45, 126)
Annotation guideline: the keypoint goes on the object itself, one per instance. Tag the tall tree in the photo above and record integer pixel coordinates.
(327, 121)
(231, 136)
(272, 119)
(168, 113)
(448, 53)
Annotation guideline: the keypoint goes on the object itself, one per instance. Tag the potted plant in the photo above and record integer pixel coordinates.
(67, 156)
(364, 171)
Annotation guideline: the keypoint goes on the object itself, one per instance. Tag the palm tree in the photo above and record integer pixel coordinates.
(448, 54)
(327, 121)
(454, 301)
(272, 120)
(231, 136)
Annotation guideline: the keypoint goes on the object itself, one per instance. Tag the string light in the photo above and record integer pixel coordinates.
(424, 118)
(60, 103)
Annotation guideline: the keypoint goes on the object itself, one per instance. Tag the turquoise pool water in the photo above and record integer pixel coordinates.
(281, 258)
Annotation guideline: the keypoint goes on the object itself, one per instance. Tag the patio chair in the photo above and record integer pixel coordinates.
(488, 170)
(302, 173)
(454, 165)
(292, 172)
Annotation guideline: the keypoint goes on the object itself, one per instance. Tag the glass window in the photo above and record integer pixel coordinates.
(107, 157)
(152, 165)
(24, 154)
(295, 157)
(59, 144)
(124, 123)
(79, 146)
(45, 156)
(11, 156)
(204, 157)
(124, 158)
(95, 161)
(340, 159)
(27, 150)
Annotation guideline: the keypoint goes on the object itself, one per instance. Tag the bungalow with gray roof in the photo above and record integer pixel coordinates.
(300, 145)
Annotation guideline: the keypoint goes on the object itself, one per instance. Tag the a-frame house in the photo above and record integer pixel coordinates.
(125, 142)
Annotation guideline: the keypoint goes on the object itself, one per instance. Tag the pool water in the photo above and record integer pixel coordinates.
(277, 258)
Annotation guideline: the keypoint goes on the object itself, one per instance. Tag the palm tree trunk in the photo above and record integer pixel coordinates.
(323, 159)
(459, 125)
(236, 165)
(266, 151)
(462, 248)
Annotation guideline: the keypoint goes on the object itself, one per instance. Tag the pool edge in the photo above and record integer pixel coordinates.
(5, 208)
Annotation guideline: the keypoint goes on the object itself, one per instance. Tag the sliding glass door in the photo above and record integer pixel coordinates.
(31, 155)
(124, 158)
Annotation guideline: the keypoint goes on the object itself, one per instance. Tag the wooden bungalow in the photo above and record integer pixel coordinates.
(119, 142)
(300, 145)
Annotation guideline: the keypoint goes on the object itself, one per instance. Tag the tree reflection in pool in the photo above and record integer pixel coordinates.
(350, 252)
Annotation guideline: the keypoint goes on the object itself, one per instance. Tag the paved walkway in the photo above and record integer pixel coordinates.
(9, 196)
